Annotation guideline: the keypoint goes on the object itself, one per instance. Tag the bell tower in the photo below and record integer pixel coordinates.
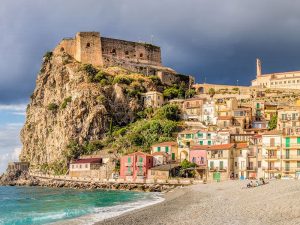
(258, 67)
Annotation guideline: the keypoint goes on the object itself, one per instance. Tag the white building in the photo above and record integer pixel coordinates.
(209, 115)
(289, 80)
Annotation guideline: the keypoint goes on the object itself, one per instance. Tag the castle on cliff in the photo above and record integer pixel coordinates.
(91, 48)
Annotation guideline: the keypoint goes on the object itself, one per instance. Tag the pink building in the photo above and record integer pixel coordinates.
(135, 165)
(198, 155)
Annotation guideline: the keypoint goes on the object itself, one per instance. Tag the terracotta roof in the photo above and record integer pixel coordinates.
(90, 160)
(189, 132)
(225, 117)
(212, 147)
(167, 143)
(140, 153)
(241, 145)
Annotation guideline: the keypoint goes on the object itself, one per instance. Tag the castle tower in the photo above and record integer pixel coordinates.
(258, 67)
(88, 48)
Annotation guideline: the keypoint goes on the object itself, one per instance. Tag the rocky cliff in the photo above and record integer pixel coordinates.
(73, 101)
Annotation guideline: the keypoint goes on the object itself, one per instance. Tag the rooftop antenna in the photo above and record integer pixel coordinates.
(237, 82)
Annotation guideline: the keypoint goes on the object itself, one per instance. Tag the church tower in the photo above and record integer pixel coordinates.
(258, 67)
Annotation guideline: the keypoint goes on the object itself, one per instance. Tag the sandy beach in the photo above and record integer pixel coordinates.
(222, 203)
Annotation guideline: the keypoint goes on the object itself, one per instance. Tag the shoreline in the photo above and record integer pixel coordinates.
(227, 202)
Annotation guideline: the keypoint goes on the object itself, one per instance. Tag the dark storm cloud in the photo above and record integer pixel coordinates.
(218, 40)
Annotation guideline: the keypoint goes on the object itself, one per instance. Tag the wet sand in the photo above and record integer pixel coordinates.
(221, 203)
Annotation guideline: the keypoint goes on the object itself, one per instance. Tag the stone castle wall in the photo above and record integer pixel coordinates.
(91, 48)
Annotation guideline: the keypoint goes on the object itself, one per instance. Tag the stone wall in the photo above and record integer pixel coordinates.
(131, 51)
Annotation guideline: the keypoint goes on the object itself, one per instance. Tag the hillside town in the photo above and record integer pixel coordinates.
(230, 132)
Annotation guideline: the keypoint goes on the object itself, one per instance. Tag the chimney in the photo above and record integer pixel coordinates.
(258, 67)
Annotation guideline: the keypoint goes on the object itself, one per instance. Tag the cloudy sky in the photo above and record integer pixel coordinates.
(210, 39)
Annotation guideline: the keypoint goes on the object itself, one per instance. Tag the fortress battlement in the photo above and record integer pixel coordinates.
(91, 48)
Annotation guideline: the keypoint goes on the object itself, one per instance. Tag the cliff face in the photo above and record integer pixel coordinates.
(66, 106)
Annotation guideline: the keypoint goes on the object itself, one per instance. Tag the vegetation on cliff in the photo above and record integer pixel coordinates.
(77, 109)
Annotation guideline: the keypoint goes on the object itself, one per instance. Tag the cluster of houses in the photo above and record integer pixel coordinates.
(224, 138)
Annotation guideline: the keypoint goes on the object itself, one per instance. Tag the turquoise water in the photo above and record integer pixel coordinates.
(40, 205)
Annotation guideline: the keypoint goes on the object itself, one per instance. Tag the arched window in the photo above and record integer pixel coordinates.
(62, 49)
(88, 45)
(141, 55)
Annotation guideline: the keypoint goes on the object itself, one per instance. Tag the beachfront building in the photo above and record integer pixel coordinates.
(291, 156)
(192, 109)
(289, 120)
(185, 140)
(17, 166)
(169, 147)
(86, 167)
(198, 156)
(163, 172)
(254, 168)
(241, 151)
(135, 166)
(209, 114)
(271, 153)
(153, 99)
(219, 161)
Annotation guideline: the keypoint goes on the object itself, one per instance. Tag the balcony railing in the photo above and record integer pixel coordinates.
(290, 169)
(271, 157)
(140, 173)
(127, 173)
(128, 164)
(217, 169)
(140, 164)
(291, 157)
(271, 168)
(252, 168)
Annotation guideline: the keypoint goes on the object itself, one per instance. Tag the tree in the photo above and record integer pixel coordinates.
(273, 122)
(211, 92)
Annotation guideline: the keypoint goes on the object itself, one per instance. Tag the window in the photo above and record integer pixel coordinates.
(167, 149)
(298, 152)
(141, 55)
(298, 164)
(208, 136)
(80, 166)
(158, 149)
(62, 49)
(259, 164)
(141, 159)
(129, 159)
(221, 165)
(201, 142)
(72, 166)
(126, 53)
(86, 165)
(173, 156)
(209, 142)
(235, 164)
(211, 164)
(88, 45)
(188, 136)
(194, 160)
(200, 135)
(298, 140)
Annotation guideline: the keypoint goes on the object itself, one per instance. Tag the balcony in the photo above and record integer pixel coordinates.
(271, 157)
(128, 164)
(296, 146)
(127, 173)
(216, 169)
(140, 173)
(251, 155)
(291, 157)
(271, 147)
(287, 169)
(251, 168)
(271, 169)
(140, 164)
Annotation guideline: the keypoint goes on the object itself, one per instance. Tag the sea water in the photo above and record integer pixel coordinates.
(41, 205)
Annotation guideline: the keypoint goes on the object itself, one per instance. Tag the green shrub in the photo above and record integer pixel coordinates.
(122, 80)
(190, 93)
(90, 71)
(65, 102)
(170, 112)
(48, 56)
(52, 107)
(155, 80)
